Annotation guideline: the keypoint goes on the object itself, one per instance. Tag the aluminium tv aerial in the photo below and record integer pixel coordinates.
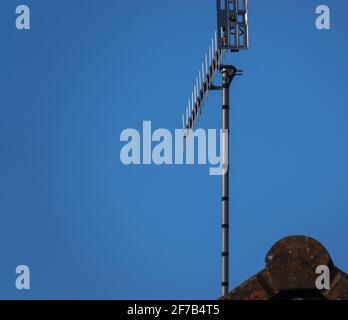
(231, 36)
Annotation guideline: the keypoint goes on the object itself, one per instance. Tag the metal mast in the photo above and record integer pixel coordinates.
(225, 181)
(231, 35)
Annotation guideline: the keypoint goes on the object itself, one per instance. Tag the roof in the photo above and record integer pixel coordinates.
(290, 273)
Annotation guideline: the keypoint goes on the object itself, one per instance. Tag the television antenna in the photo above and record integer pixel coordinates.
(231, 36)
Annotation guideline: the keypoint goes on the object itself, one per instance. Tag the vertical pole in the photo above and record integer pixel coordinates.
(225, 180)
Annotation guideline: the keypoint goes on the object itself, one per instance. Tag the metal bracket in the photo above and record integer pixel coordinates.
(232, 72)
(232, 22)
(215, 88)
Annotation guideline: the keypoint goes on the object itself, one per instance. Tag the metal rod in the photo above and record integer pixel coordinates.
(225, 181)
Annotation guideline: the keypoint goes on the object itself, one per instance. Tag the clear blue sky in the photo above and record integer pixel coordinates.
(89, 227)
